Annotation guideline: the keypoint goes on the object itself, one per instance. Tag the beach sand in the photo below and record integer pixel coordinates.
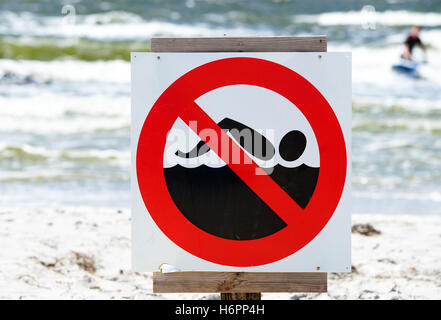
(84, 253)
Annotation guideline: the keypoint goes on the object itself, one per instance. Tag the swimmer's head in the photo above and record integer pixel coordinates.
(415, 31)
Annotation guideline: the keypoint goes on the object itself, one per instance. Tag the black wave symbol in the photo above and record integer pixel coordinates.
(217, 201)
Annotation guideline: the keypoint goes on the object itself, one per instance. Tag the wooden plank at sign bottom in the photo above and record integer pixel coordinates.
(239, 282)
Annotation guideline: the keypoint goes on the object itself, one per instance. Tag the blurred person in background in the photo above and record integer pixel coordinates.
(412, 40)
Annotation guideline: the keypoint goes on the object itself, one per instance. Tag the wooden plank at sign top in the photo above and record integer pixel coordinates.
(241, 44)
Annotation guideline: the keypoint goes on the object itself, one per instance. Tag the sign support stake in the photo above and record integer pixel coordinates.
(240, 285)
(241, 296)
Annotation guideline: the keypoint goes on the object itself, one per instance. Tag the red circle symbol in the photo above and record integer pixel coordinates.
(178, 101)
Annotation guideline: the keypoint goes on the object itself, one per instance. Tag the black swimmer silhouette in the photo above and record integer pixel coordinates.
(264, 150)
(217, 201)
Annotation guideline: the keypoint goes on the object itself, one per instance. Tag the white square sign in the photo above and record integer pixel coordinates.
(241, 161)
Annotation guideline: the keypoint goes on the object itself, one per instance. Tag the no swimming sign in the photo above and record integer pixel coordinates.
(241, 161)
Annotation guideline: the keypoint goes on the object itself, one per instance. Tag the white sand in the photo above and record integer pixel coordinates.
(52, 253)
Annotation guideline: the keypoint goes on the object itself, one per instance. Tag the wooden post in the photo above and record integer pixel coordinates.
(240, 285)
(241, 296)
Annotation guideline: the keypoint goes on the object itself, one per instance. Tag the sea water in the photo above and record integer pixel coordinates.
(65, 93)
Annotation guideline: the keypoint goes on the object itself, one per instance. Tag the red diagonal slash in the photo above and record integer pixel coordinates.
(250, 173)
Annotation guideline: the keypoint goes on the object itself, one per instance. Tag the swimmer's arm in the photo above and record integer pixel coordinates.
(406, 53)
(421, 44)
